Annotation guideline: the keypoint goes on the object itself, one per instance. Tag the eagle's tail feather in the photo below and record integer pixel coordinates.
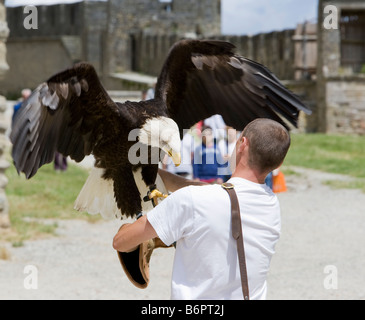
(97, 197)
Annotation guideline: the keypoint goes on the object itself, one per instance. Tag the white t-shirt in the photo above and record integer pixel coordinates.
(206, 261)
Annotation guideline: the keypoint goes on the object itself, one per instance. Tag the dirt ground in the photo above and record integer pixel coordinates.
(321, 253)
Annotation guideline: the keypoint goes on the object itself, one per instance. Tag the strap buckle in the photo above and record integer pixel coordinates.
(227, 186)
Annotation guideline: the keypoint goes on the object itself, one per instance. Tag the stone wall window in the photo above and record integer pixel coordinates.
(167, 5)
(353, 40)
(73, 15)
(52, 15)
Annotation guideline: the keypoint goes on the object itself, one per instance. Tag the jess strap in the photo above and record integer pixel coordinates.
(238, 236)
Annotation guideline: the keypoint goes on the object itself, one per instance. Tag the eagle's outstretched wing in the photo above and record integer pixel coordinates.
(203, 78)
(69, 114)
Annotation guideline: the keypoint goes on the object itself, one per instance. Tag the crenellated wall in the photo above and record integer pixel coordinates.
(275, 50)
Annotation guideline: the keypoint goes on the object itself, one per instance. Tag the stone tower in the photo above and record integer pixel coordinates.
(341, 66)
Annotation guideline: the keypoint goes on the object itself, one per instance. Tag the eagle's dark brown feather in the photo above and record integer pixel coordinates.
(72, 114)
(69, 113)
(204, 78)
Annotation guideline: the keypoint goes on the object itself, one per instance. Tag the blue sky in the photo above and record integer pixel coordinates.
(255, 16)
(242, 16)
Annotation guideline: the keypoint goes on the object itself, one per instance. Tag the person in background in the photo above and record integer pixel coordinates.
(207, 159)
(216, 123)
(268, 180)
(226, 148)
(60, 162)
(185, 169)
(25, 95)
(144, 95)
(151, 92)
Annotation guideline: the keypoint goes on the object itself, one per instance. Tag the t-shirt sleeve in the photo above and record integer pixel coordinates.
(173, 218)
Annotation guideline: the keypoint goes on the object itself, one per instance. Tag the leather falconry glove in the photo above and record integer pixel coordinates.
(136, 264)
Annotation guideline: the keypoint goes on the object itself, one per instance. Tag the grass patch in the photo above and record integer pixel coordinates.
(48, 195)
(329, 153)
(290, 172)
(339, 184)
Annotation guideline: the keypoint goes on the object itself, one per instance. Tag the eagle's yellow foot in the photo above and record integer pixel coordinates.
(153, 195)
(156, 194)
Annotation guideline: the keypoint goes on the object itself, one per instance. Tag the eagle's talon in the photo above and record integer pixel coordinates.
(153, 196)
(156, 194)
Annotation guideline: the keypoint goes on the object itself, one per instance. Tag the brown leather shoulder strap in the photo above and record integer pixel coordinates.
(238, 236)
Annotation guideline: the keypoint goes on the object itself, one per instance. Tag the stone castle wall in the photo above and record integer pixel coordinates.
(131, 19)
(136, 35)
(4, 206)
(275, 50)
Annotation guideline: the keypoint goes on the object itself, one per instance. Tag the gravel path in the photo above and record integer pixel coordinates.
(321, 228)
(80, 263)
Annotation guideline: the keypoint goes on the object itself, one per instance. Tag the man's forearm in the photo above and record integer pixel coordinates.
(174, 182)
(130, 236)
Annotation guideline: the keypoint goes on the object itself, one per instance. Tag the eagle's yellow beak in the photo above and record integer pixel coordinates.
(176, 157)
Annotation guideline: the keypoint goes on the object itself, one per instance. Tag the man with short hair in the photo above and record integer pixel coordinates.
(198, 219)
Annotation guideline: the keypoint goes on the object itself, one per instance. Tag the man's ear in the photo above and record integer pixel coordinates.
(243, 144)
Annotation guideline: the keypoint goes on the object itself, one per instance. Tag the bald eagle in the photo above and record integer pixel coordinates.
(72, 114)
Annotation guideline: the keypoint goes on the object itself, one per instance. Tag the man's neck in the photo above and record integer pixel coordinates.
(249, 174)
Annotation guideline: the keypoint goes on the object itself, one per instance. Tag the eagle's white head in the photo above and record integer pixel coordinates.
(162, 133)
